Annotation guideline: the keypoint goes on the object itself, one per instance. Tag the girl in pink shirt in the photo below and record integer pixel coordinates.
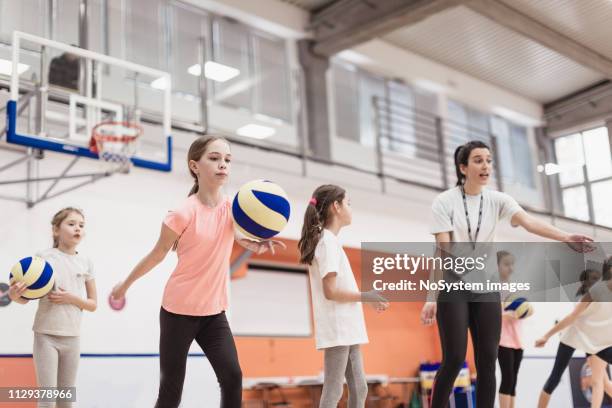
(195, 297)
(510, 351)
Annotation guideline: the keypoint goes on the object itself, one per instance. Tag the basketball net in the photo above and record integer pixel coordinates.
(115, 143)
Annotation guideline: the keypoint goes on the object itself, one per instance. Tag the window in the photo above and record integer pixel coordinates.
(145, 25)
(190, 29)
(29, 16)
(370, 87)
(513, 152)
(272, 87)
(585, 164)
(346, 96)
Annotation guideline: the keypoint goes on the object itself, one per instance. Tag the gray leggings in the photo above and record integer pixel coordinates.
(341, 362)
(56, 359)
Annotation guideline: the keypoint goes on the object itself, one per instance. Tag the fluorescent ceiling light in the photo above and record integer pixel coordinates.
(255, 131)
(215, 71)
(6, 67)
(160, 83)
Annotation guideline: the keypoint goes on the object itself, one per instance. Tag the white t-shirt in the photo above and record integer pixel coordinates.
(449, 213)
(592, 330)
(71, 272)
(449, 216)
(336, 323)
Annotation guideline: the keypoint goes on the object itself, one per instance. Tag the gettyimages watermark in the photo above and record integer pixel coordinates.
(539, 272)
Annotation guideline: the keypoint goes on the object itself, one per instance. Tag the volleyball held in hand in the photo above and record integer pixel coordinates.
(260, 209)
(520, 306)
(36, 273)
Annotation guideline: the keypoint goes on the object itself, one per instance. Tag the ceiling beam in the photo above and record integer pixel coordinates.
(347, 23)
(523, 24)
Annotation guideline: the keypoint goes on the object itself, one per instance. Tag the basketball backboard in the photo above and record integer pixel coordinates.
(60, 92)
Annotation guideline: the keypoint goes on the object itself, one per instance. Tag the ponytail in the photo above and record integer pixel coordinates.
(316, 218)
(585, 282)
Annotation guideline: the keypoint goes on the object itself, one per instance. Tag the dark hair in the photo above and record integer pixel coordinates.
(316, 218)
(462, 155)
(501, 255)
(59, 217)
(195, 153)
(584, 280)
(606, 270)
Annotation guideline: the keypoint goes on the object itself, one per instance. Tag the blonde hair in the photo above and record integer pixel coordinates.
(59, 217)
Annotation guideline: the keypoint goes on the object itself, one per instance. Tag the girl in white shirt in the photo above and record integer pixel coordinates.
(57, 324)
(589, 328)
(338, 315)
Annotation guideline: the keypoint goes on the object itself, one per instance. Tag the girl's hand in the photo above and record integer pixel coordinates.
(428, 313)
(119, 291)
(375, 300)
(541, 341)
(579, 243)
(61, 297)
(16, 290)
(261, 247)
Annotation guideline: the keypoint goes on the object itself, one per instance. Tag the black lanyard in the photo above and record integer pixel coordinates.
(467, 217)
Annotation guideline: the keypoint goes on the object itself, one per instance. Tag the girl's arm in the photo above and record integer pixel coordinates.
(166, 240)
(332, 292)
(567, 321)
(90, 304)
(544, 229)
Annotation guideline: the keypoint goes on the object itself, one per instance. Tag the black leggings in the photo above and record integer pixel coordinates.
(509, 363)
(214, 336)
(606, 355)
(482, 315)
(564, 355)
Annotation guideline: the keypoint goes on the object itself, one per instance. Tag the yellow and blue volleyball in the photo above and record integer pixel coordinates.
(36, 273)
(261, 209)
(520, 306)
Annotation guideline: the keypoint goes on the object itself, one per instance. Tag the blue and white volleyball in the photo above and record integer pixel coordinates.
(36, 273)
(261, 209)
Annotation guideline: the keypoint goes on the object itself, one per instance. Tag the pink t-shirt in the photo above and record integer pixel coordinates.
(511, 333)
(198, 285)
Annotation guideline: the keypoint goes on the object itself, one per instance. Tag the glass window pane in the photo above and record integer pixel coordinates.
(22, 15)
(602, 202)
(231, 48)
(369, 87)
(521, 156)
(570, 157)
(97, 13)
(426, 104)
(501, 130)
(597, 152)
(272, 87)
(401, 100)
(575, 203)
(346, 101)
(66, 22)
(456, 125)
(145, 29)
(188, 30)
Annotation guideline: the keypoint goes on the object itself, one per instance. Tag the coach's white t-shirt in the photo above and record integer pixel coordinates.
(592, 330)
(449, 216)
(70, 272)
(336, 323)
(449, 213)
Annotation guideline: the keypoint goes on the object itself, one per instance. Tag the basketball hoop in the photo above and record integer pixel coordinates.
(115, 143)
